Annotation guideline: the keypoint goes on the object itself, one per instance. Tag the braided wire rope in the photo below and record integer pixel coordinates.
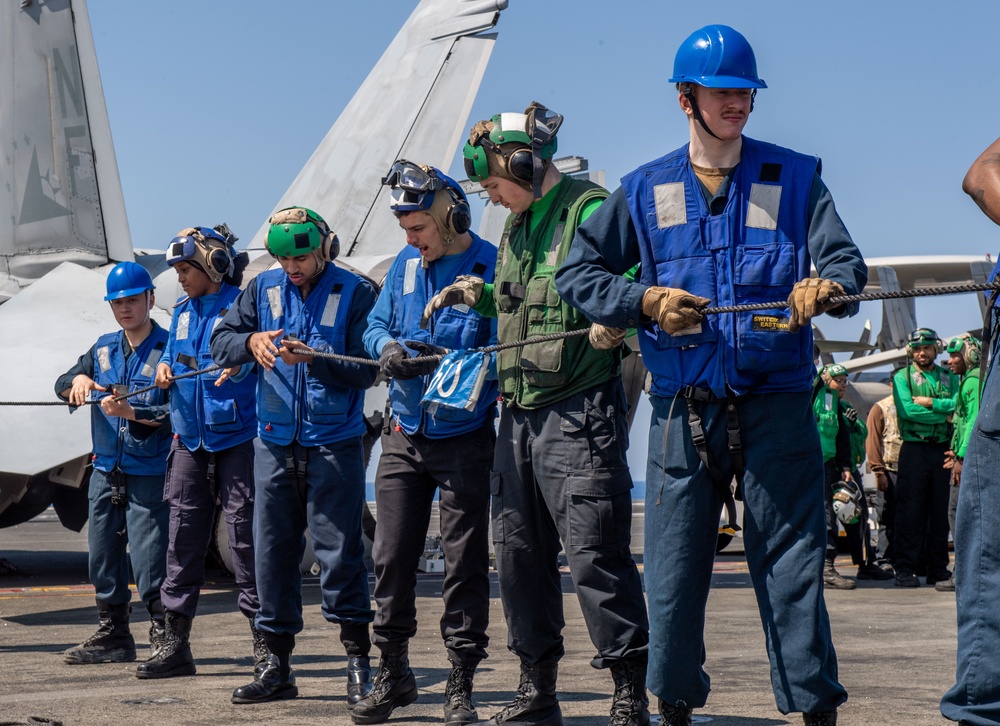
(834, 301)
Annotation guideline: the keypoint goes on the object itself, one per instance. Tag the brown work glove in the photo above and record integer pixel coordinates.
(604, 338)
(466, 290)
(809, 298)
(673, 310)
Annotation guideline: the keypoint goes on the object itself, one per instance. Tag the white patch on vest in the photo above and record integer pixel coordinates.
(828, 402)
(183, 321)
(765, 200)
(274, 300)
(149, 367)
(693, 330)
(330, 311)
(104, 359)
(671, 204)
(410, 275)
(553, 257)
(461, 307)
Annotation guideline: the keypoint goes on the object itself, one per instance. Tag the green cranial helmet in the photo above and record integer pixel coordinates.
(921, 337)
(835, 370)
(298, 231)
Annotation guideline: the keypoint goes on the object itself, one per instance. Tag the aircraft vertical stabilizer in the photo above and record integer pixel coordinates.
(431, 71)
(61, 199)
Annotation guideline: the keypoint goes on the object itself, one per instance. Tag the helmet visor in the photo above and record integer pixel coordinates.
(405, 200)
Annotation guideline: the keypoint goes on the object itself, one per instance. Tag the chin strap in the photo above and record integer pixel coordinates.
(689, 95)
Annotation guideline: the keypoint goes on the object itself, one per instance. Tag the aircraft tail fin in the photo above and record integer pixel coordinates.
(61, 200)
(431, 71)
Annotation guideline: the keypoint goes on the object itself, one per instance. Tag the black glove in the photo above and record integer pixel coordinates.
(396, 363)
(393, 354)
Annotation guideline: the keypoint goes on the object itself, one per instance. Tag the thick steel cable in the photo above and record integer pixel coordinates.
(863, 297)
(835, 301)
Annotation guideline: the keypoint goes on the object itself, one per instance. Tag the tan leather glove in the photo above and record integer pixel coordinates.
(604, 338)
(466, 290)
(673, 310)
(809, 298)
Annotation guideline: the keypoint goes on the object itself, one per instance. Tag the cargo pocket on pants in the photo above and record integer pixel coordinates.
(599, 509)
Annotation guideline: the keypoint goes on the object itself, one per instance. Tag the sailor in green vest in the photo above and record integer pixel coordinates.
(842, 435)
(560, 469)
(925, 399)
(964, 355)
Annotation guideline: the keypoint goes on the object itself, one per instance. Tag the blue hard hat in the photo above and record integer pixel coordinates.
(127, 279)
(716, 56)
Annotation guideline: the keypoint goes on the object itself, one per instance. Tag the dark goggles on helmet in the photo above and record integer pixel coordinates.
(543, 124)
(923, 336)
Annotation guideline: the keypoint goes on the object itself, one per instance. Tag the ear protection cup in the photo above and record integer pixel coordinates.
(459, 219)
(972, 355)
(330, 246)
(221, 262)
(520, 165)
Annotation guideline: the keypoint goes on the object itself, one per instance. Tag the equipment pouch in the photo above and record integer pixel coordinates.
(116, 479)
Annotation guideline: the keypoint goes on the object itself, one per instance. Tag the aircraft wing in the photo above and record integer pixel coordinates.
(431, 71)
(61, 199)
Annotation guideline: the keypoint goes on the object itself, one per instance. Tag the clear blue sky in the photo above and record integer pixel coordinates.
(215, 106)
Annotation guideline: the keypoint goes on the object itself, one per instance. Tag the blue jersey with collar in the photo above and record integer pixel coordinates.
(133, 447)
(202, 414)
(753, 252)
(410, 287)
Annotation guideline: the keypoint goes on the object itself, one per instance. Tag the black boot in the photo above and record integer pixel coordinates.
(359, 679)
(629, 705)
(357, 643)
(535, 702)
(826, 718)
(174, 657)
(674, 715)
(260, 651)
(394, 687)
(458, 706)
(157, 626)
(276, 681)
(112, 643)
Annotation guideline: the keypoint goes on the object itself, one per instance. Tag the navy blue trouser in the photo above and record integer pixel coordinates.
(329, 501)
(410, 470)
(137, 531)
(975, 697)
(560, 474)
(784, 536)
(192, 519)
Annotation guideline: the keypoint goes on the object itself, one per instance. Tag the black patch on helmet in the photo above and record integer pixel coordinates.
(770, 172)
(302, 241)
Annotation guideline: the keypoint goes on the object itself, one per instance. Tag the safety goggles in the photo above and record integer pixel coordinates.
(543, 124)
(411, 177)
(923, 336)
